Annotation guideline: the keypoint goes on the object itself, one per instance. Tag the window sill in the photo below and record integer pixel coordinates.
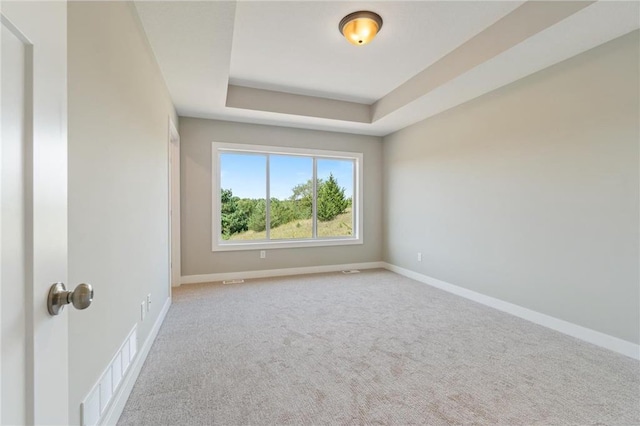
(270, 245)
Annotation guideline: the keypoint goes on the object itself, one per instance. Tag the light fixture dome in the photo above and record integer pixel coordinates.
(360, 27)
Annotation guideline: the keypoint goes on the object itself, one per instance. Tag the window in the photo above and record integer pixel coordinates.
(272, 197)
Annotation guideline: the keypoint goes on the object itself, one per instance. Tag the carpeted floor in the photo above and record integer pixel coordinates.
(370, 348)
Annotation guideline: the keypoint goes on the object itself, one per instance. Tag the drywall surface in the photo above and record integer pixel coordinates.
(196, 136)
(530, 194)
(118, 185)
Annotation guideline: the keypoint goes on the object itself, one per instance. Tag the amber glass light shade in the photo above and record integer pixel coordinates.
(360, 28)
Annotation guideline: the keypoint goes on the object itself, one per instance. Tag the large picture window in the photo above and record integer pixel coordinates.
(274, 197)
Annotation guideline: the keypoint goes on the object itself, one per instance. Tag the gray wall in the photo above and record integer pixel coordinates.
(196, 136)
(531, 193)
(118, 223)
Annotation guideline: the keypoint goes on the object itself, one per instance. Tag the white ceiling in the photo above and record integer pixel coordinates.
(294, 47)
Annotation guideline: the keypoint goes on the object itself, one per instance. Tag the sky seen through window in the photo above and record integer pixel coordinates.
(245, 174)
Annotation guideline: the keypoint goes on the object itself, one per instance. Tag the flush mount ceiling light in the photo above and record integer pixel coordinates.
(360, 27)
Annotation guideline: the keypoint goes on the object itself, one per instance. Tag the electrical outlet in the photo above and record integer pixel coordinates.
(148, 302)
(263, 254)
(419, 257)
(143, 310)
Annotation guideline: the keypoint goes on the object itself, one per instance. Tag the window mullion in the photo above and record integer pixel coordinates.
(268, 203)
(314, 219)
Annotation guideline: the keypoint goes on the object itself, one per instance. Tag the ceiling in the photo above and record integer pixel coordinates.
(285, 63)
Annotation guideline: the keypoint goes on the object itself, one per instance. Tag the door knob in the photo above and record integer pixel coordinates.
(59, 296)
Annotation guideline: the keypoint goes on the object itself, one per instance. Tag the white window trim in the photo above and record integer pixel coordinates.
(218, 244)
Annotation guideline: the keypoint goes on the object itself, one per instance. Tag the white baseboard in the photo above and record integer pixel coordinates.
(120, 399)
(606, 341)
(208, 278)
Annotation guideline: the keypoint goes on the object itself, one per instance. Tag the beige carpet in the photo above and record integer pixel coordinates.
(371, 348)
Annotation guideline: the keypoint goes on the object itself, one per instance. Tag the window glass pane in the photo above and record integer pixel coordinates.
(334, 203)
(291, 191)
(243, 194)
(291, 216)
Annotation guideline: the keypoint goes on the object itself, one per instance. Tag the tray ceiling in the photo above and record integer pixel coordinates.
(285, 63)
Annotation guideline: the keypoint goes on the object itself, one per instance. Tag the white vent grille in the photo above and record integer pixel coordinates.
(95, 404)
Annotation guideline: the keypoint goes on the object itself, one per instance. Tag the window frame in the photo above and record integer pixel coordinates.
(218, 244)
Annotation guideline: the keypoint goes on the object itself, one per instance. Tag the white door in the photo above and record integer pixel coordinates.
(33, 213)
(174, 206)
